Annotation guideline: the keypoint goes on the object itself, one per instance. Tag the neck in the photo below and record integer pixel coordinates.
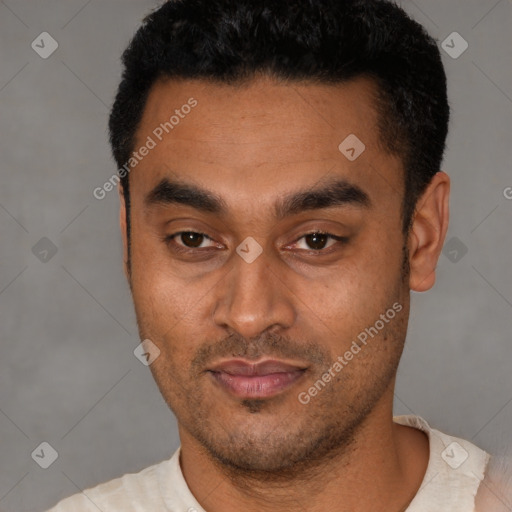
(381, 468)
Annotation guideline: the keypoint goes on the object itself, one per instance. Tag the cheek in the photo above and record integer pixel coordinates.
(171, 310)
(165, 307)
(157, 290)
(353, 294)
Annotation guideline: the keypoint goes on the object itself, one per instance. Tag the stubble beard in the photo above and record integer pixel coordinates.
(327, 433)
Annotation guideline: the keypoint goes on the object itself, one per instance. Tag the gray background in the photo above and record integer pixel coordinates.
(68, 375)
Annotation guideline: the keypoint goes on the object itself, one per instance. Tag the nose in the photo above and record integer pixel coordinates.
(254, 297)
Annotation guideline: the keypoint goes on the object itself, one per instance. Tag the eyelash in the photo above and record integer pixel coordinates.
(169, 240)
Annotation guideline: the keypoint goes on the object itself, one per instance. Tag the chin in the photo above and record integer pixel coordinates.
(259, 451)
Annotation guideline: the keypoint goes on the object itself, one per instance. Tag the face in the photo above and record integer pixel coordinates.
(255, 239)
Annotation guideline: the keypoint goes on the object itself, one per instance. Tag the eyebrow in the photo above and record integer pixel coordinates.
(336, 192)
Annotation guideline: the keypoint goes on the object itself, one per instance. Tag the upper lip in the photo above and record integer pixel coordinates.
(243, 367)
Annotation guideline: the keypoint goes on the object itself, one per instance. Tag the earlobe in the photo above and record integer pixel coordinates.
(428, 232)
(122, 225)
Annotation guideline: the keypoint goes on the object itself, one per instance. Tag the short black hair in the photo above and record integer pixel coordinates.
(318, 41)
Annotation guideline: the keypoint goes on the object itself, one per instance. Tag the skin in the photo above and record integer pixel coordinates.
(252, 145)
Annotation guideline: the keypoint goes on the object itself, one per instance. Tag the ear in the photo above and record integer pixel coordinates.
(122, 224)
(428, 232)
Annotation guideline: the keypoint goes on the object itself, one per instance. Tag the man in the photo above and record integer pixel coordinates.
(281, 195)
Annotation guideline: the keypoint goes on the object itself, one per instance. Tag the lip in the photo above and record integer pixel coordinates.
(245, 379)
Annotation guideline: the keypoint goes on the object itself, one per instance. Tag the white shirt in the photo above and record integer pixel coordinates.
(455, 470)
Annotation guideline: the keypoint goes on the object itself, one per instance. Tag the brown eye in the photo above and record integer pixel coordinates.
(316, 241)
(191, 239)
(320, 241)
(188, 241)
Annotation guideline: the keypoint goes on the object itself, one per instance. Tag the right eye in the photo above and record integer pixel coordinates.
(187, 241)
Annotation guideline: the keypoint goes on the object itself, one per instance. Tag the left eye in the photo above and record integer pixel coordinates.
(318, 241)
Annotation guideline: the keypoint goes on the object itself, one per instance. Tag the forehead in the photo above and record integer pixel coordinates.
(265, 135)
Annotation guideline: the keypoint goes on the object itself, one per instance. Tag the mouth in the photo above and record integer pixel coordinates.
(244, 379)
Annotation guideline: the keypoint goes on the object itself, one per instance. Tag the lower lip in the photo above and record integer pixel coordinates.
(257, 386)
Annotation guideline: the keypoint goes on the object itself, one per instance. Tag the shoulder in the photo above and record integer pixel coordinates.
(130, 492)
(495, 492)
(455, 470)
(449, 452)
